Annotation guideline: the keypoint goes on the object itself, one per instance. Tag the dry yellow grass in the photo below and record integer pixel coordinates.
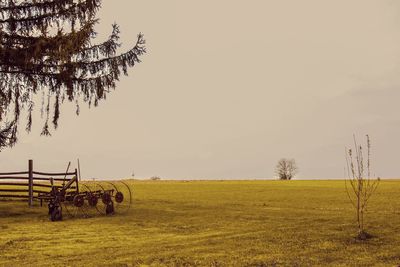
(212, 223)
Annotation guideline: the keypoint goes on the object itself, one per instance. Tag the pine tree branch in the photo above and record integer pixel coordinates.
(37, 55)
(32, 18)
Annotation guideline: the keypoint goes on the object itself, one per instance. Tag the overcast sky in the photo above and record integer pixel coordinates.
(229, 87)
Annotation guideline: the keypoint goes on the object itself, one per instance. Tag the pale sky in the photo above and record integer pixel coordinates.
(229, 87)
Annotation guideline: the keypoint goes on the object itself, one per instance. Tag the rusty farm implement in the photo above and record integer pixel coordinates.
(65, 194)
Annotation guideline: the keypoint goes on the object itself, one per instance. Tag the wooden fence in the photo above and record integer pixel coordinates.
(31, 184)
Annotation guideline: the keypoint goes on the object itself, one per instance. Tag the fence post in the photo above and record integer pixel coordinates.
(30, 185)
(77, 181)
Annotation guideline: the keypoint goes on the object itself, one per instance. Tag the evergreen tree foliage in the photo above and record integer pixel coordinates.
(46, 46)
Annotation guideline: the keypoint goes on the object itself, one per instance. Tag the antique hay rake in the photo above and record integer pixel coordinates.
(65, 193)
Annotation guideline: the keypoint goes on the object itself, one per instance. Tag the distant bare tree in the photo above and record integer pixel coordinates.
(286, 169)
(361, 185)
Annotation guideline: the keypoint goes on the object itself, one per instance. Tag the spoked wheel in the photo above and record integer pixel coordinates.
(68, 206)
(76, 205)
(106, 200)
(101, 197)
(122, 196)
(89, 201)
(94, 192)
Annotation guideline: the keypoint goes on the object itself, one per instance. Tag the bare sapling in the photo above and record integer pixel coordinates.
(359, 185)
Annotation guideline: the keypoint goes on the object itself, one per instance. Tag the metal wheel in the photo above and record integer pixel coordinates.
(122, 196)
(105, 205)
(76, 205)
(90, 200)
(93, 193)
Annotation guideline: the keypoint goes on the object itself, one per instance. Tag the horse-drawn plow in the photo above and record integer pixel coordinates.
(67, 195)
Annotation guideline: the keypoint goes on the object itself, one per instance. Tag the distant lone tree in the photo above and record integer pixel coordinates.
(46, 46)
(286, 169)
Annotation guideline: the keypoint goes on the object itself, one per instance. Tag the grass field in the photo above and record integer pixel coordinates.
(212, 223)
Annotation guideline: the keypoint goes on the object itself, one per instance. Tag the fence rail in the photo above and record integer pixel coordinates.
(54, 174)
(29, 179)
(14, 173)
(13, 177)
